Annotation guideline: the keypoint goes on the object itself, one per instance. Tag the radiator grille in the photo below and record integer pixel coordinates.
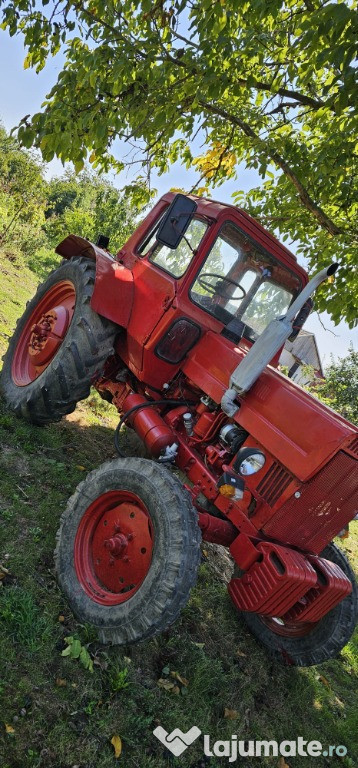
(353, 446)
(274, 483)
(327, 503)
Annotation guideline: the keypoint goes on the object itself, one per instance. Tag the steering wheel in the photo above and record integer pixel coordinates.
(213, 289)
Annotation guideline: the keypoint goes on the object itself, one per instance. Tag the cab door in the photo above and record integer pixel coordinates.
(154, 292)
(157, 276)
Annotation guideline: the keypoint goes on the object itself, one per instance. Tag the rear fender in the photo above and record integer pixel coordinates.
(113, 289)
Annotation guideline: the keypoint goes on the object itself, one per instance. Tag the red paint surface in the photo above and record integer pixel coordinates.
(113, 291)
(149, 425)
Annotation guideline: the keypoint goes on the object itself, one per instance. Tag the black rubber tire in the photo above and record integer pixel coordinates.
(79, 360)
(326, 639)
(175, 559)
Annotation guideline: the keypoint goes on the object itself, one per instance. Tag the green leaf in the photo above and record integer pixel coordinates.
(75, 649)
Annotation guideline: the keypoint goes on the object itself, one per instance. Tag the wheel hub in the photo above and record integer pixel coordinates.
(113, 548)
(47, 335)
(43, 333)
(117, 546)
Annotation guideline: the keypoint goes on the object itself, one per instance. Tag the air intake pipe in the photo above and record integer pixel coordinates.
(270, 341)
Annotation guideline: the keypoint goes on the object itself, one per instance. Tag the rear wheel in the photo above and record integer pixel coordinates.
(305, 644)
(59, 346)
(128, 550)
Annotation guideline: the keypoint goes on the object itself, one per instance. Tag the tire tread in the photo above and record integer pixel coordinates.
(79, 360)
(181, 564)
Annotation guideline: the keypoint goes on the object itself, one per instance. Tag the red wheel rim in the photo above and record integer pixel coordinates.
(43, 333)
(113, 547)
(288, 628)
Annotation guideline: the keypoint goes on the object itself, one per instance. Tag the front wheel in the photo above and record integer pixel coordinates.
(307, 644)
(128, 550)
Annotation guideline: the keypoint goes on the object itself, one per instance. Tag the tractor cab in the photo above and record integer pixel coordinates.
(201, 266)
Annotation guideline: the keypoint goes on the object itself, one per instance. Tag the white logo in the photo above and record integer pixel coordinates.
(177, 741)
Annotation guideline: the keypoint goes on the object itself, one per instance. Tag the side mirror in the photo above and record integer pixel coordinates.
(176, 221)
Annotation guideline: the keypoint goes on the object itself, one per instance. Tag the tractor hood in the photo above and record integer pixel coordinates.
(297, 429)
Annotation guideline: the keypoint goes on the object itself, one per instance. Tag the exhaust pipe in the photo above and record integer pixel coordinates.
(269, 343)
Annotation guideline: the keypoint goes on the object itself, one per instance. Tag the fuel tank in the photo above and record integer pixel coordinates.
(298, 430)
(149, 425)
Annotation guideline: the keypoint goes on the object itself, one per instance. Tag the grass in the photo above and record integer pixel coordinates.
(62, 715)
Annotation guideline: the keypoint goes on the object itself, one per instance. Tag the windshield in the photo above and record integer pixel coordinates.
(239, 282)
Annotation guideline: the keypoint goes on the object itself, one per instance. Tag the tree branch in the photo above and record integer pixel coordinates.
(324, 327)
(300, 97)
(303, 194)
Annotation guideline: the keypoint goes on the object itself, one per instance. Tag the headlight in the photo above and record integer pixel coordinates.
(248, 461)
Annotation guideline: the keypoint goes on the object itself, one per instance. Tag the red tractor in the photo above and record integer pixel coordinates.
(182, 332)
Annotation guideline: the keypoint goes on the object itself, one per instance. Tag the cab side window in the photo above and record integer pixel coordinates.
(176, 261)
(150, 238)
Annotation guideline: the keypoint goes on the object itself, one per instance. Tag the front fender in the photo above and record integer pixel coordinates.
(113, 289)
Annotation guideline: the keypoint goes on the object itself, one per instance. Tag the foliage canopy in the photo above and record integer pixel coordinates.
(88, 205)
(22, 196)
(35, 214)
(265, 82)
(339, 388)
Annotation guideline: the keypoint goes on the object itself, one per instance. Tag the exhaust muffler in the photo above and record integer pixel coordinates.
(269, 343)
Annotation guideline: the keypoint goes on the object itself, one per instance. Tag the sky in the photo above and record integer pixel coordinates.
(22, 92)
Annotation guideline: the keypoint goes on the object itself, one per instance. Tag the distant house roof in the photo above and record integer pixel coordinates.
(304, 349)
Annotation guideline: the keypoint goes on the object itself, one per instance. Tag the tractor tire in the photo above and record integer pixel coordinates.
(128, 550)
(324, 640)
(59, 346)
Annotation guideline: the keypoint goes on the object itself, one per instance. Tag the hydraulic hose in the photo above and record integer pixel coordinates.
(150, 403)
